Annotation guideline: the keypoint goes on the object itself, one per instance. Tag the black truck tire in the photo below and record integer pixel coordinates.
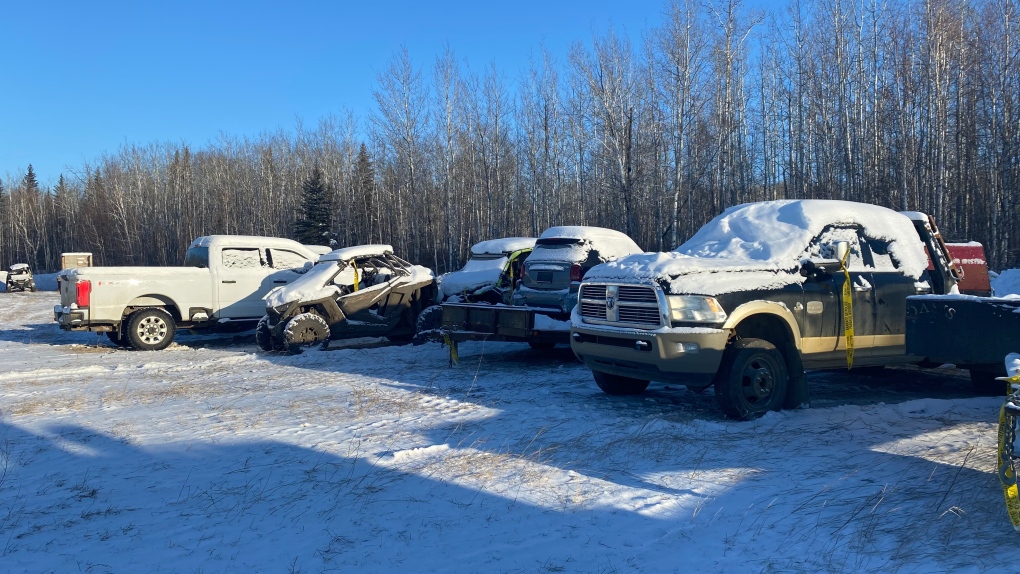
(618, 385)
(150, 329)
(752, 379)
(118, 338)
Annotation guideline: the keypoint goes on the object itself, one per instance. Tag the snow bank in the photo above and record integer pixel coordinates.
(1007, 283)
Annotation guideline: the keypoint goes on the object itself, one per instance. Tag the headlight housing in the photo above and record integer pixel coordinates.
(695, 309)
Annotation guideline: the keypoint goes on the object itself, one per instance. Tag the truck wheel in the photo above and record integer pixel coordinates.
(618, 385)
(984, 383)
(264, 336)
(117, 337)
(752, 379)
(150, 329)
(304, 330)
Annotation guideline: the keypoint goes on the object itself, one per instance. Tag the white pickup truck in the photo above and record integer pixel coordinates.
(222, 284)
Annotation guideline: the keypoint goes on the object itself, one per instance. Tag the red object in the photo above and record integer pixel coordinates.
(84, 293)
(575, 272)
(971, 258)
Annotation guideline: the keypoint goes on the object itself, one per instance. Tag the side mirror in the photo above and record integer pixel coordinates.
(819, 269)
(842, 248)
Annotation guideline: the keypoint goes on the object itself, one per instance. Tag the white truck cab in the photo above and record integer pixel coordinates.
(222, 284)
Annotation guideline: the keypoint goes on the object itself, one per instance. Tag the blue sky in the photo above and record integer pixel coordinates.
(81, 79)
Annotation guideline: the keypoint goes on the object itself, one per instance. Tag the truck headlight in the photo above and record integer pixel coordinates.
(696, 309)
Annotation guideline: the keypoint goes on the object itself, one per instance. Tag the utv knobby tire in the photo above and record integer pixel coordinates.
(752, 379)
(304, 330)
(618, 385)
(150, 329)
(264, 336)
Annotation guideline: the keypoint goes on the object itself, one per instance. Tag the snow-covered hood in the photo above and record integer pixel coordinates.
(684, 274)
(477, 273)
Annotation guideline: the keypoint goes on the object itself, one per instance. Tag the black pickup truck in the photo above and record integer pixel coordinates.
(758, 295)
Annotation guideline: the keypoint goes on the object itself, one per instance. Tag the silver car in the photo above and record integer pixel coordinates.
(561, 257)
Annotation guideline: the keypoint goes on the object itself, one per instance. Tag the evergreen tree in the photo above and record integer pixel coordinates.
(30, 183)
(364, 191)
(312, 227)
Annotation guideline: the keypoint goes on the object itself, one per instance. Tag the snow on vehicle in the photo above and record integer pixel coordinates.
(488, 277)
(758, 295)
(362, 291)
(220, 287)
(19, 278)
(490, 273)
(547, 291)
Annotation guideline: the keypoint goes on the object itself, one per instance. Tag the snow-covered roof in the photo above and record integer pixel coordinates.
(356, 251)
(500, 246)
(766, 241)
(916, 216)
(19, 266)
(243, 241)
(610, 243)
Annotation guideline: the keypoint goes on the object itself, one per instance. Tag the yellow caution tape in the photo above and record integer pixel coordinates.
(454, 359)
(848, 313)
(1007, 474)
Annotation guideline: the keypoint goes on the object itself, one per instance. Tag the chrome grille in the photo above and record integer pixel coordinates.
(630, 294)
(593, 310)
(634, 306)
(639, 315)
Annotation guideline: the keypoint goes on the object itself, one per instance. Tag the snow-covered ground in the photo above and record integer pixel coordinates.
(212, 456)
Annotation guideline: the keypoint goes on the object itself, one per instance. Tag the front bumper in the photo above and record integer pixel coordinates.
(676, 356)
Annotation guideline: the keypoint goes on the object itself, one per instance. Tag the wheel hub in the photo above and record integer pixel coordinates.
(152, 330)
(760, 382)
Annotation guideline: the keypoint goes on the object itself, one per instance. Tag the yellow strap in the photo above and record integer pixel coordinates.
(848, 313)
(355, 266)
(1006, 475)
(454, 359)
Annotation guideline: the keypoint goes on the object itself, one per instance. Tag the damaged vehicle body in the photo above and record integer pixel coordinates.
(490, 273)
(19, 278)
(362, 291)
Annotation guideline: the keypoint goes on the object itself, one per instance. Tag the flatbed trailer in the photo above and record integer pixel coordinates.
(973, 333)
(482, 322)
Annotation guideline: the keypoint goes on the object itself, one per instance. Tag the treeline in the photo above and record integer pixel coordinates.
(910, 105)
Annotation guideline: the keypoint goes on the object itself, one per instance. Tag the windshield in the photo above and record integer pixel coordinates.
(197, 257)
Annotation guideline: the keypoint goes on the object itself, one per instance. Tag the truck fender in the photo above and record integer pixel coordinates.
(773, 308)
(154, 301)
